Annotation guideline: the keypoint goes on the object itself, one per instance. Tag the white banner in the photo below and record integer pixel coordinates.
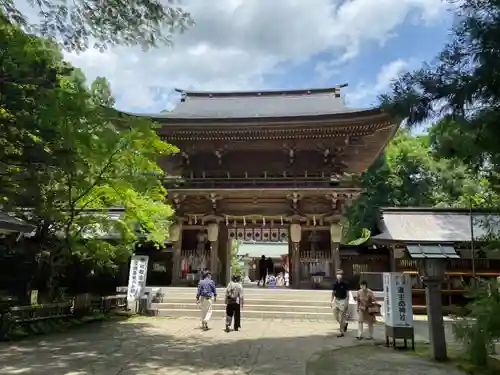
(398, 310)
(137, 276)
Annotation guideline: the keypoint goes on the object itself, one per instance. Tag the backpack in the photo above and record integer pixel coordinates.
(232, 294)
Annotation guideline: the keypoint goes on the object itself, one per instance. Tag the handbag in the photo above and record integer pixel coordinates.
(374, 309)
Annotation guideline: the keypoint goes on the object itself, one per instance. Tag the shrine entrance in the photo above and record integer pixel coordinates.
(311, 248)
(265, 165)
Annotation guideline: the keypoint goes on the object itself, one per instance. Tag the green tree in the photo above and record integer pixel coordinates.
(236, 268)
(64, 152)
(411, 173)
(76, 25)
(461, 88)
(463, 84)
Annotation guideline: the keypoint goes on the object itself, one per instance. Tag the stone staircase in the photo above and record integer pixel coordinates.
(259, 303)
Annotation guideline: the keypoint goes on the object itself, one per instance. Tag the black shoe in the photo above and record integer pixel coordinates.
(227, 328)
(359, 338)
(340, 335)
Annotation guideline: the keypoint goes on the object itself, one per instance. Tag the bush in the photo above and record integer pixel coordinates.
(479, 326)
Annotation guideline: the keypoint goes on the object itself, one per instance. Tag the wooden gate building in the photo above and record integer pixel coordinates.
(266, 165)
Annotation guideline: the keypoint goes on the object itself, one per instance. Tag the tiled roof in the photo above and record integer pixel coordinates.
(435, 225)
(11, 223)
(263, 104)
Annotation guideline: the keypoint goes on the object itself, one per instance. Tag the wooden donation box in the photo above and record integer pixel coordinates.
(398, 311)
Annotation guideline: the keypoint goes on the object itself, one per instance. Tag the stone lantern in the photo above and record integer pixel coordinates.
(432, 263)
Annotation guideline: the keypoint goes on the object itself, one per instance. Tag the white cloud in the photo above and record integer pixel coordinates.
(235, 43)
(387, 74)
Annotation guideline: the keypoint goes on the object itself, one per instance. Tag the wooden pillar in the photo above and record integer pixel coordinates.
(176, 256)
(213, 237)
(222, 254)
(294, 239)
(229, 259)
(335, 239)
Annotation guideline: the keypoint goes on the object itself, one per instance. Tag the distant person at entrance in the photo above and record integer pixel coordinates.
(270, 266)
(262, 270)
(234, 303)
(206, 297)
(365, 304)
(339, 302)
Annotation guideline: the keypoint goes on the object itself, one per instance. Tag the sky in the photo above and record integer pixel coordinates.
(264, 44)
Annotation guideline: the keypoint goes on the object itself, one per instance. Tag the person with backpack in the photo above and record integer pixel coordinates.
(234, 303)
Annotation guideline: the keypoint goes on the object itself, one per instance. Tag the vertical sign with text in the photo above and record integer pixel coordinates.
(398, 299)
(137, 276)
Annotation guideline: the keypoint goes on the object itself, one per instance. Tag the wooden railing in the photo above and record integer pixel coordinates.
(26, 316)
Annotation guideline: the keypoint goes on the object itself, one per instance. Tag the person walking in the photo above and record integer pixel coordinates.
(270, 266)
(206, 296)
(339, 302)
(262, 270)
(234, 303)
(365, 302)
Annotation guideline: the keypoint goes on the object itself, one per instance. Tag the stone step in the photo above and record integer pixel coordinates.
(257, 300)
(246, 314)
(306, 309)
(261, 293)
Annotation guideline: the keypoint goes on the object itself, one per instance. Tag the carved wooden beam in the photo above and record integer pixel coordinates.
(214, 198)
(294, 197)
(177, 199)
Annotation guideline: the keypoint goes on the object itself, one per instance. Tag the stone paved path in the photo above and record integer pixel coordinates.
(374, 360)
(177, 347)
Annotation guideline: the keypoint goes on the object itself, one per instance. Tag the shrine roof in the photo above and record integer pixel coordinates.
(435, 225)
(271, 104)
(11, 223)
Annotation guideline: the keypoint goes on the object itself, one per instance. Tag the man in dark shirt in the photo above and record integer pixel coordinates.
(339, 302)
(262, 270)
(206, 297)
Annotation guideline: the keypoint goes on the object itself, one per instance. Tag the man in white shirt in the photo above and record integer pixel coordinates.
(234, 303)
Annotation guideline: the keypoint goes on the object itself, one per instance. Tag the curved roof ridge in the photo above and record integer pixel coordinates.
(255, 93)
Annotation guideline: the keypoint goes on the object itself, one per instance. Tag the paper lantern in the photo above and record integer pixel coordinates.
(213, 232)
(295, 233)
(336, 233)
(175, 232)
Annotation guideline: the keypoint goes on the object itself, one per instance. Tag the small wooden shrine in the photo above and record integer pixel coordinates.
(265, 166)
(455, 235)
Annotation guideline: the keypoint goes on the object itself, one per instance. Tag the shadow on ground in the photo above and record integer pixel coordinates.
(173, 346)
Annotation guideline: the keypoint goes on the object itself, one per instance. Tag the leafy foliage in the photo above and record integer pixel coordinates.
(235, 259)
(67, 157)
(83, 23)
(479, 328)
(411, 173)
(463, 83)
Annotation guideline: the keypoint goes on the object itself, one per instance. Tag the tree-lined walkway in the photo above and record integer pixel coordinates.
(177, 347)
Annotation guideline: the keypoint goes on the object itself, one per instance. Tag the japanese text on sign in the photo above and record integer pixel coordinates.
(397, 297)
(137, 276)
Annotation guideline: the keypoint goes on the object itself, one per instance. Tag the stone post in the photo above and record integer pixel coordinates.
(433, 276)
(295, 236)
(335, 239)
(176, 239)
